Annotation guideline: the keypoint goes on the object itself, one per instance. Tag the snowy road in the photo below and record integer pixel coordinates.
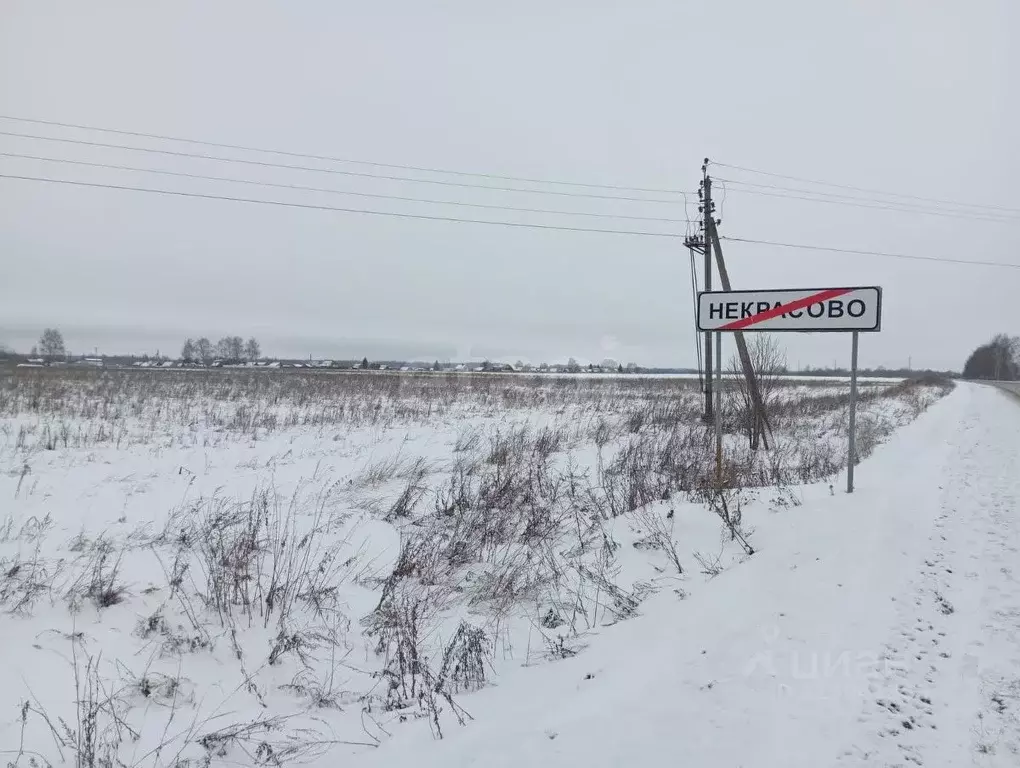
(954, 697)
(879, 629)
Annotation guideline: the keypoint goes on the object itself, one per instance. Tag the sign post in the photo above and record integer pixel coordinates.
(811, 310)
(852, 448)
(718, 409)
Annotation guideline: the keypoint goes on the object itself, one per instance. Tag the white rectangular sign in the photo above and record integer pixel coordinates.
(795, 309)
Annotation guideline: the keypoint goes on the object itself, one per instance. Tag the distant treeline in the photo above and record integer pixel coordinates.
(891, 373)
(998, 360)
(419, 366)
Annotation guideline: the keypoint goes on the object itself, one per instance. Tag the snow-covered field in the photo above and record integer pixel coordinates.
(247, 568)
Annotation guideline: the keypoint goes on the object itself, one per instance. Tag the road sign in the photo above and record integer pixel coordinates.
(795, 309)
(798, 309)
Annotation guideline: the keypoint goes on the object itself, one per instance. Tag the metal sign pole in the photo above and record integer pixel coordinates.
(852, 450)
(718, 408)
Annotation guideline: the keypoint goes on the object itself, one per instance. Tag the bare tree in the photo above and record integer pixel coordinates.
(51, 344)
(204, 350)
(768, 361)
(223, 348)
(252, 349)
(573, 366)
(235, 348)
(230, 349)
(189, 352)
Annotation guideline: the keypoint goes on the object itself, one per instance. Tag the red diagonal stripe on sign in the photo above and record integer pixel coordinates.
(783, 309)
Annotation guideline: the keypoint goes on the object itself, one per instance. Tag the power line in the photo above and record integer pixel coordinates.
(857, 252)
(865, 189)
(309, 206)
(722, 203)
(359, 174)
(330, 159)
(855, 202)
(842, 196)
(694, 303)
(302, 188)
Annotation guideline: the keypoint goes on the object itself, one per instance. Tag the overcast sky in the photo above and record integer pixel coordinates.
(916, 96)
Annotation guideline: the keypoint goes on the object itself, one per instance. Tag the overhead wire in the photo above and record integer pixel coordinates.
(514, 224)
(310, 206)
(806, 195)
(865, 190)
(358, 174)
(861, 252)
(303, 188)
(856, 202)
(327, 158)
(694, 303)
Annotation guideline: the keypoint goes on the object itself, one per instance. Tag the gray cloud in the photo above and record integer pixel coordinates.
(907, 97)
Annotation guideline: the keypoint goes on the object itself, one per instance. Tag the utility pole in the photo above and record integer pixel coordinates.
(761, 426)
(706, 223)
(707, 243)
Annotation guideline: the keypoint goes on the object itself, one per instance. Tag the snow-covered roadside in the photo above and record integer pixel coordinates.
(877, 627)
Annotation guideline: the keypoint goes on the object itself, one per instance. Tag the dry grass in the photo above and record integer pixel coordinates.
(49, 409)
(516, 526)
